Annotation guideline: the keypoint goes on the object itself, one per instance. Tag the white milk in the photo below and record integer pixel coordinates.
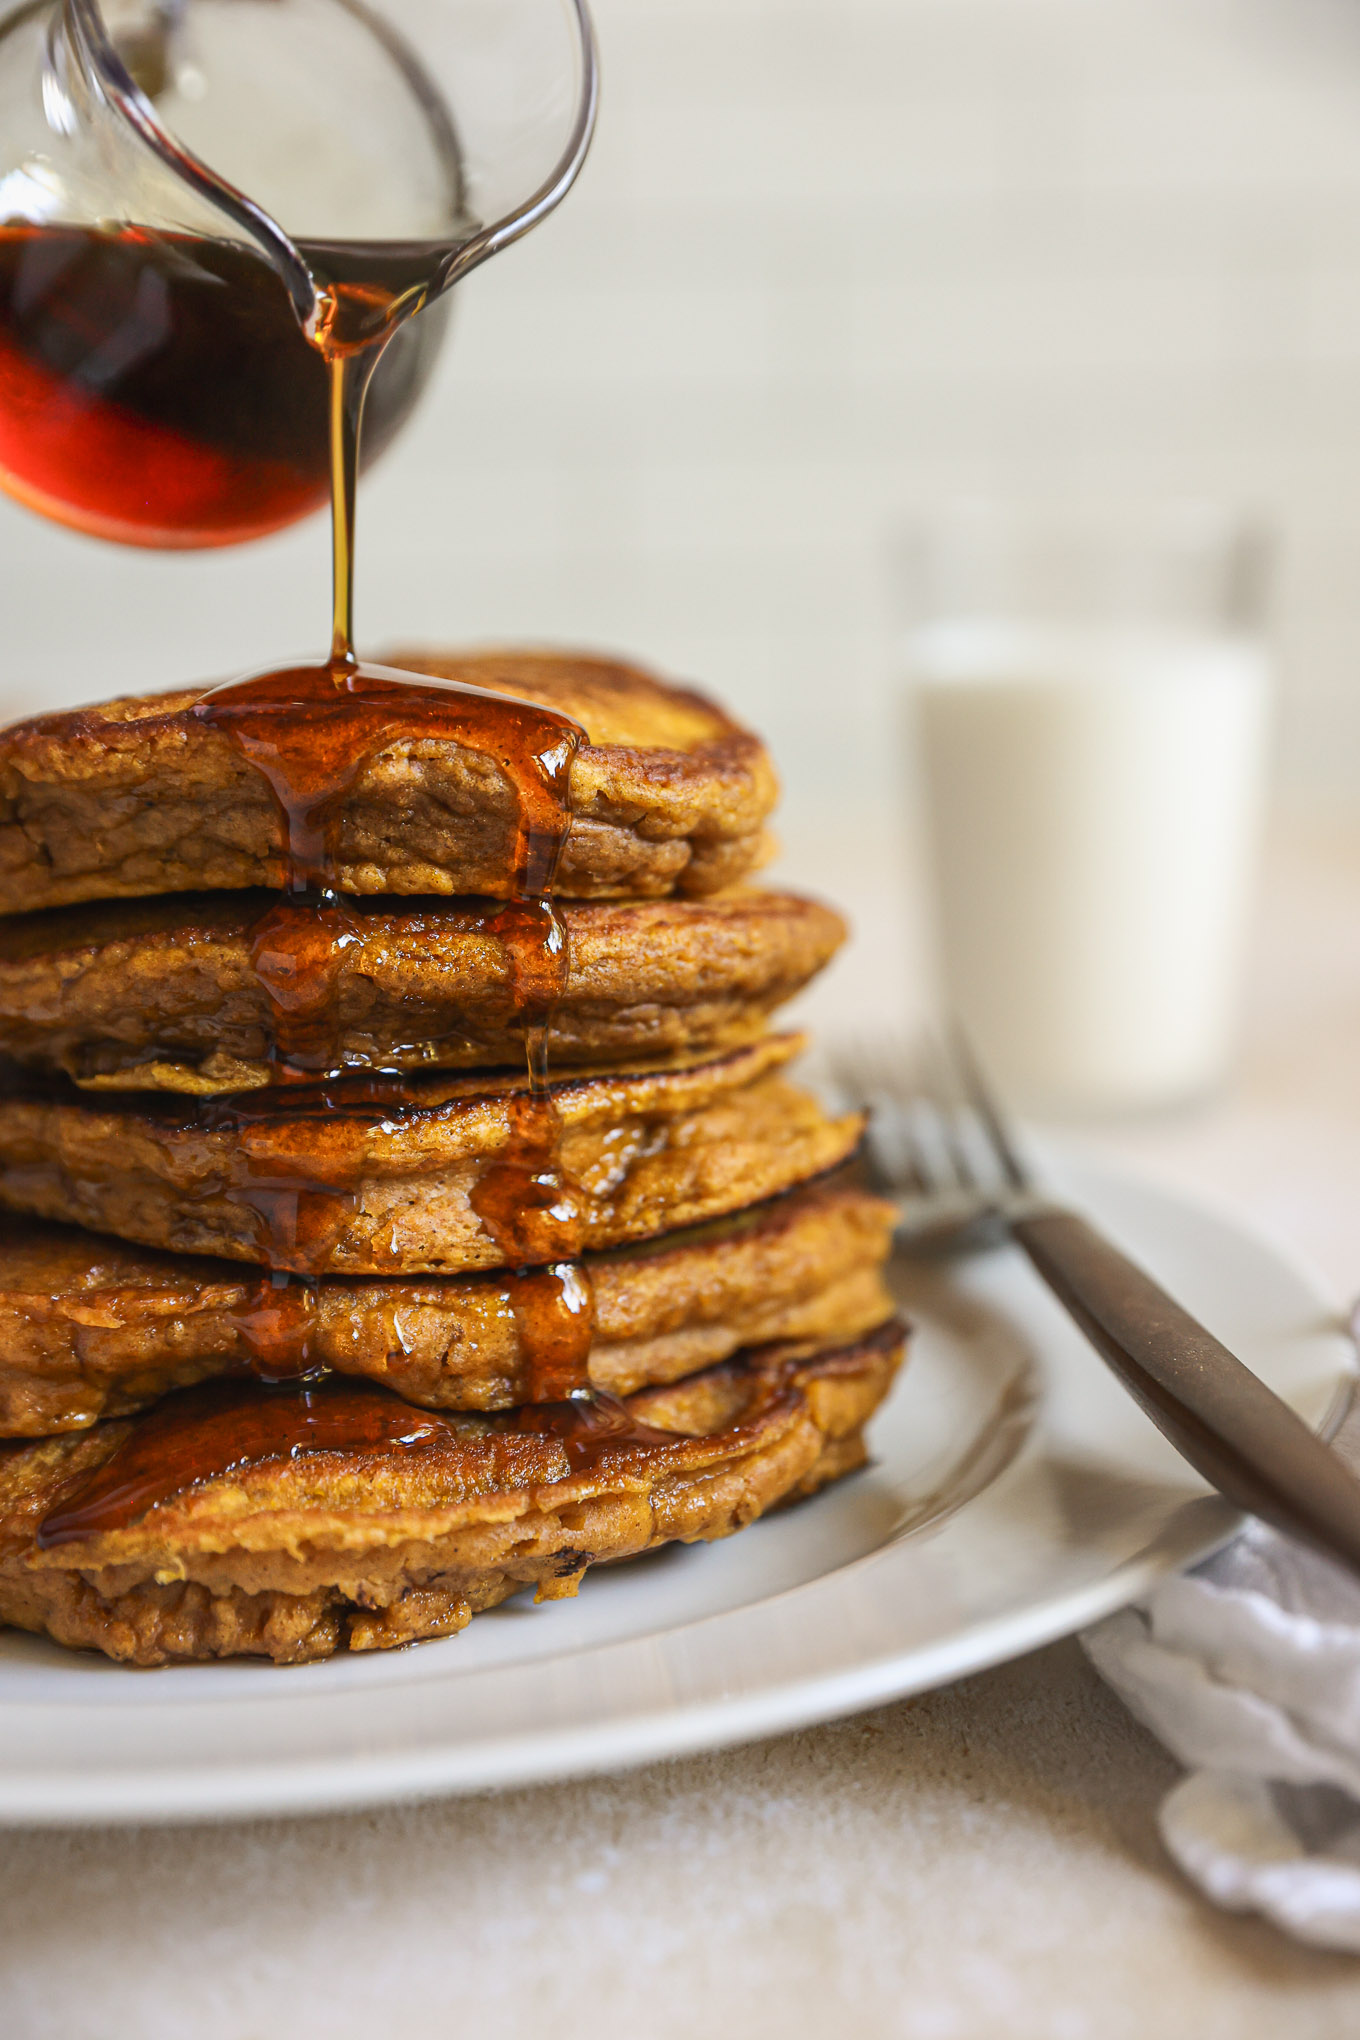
(1093, 802)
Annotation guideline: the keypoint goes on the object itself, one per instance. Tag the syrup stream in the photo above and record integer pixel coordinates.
(310, 731)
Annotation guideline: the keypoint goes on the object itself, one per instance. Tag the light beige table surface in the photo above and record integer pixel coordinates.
(979, 1862)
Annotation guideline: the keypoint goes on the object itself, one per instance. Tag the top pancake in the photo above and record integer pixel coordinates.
(139, 796)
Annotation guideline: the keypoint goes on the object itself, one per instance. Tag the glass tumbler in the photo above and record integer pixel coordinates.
(1090, 698)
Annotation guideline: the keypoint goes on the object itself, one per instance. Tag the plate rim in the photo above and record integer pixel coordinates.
(288, 1787)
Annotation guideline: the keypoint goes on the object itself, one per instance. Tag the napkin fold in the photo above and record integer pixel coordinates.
(1248, 1669)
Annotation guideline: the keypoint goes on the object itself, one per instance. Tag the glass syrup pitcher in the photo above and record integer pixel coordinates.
(217, 220)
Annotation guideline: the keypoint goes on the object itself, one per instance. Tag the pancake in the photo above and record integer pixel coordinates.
(169, 994)
(435, 1518)
(141, 796)
(91, 1328)
(393, 1176)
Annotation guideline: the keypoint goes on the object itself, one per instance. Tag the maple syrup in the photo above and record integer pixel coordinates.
(309, 731)
(157, 388)
(276, 1324)
(196, 1435)
(554, 1307)
(199, 1434)
(297, 949)
(301, 1154)
(590, 1428)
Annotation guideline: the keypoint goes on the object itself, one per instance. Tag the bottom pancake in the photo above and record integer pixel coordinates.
(235, 1520)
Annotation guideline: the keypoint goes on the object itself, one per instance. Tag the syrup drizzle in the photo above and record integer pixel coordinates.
(296, 953)
(554, 1309)
(303, 1154)
(589, 1427)
(309, 731)
(277, 1326)
(202, 1434)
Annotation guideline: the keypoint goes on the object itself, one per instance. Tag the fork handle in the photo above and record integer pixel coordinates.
(1228, 1424)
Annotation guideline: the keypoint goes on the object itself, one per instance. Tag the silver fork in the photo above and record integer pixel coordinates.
(940, 1145)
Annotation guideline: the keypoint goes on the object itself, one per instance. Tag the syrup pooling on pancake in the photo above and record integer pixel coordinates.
(197, 1435)
(200, 1434)
(309, 730)
(589, 1427)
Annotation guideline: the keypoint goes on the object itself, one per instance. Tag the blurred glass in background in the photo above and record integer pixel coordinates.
(1090, 696)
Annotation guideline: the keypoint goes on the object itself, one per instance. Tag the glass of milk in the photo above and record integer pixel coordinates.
(1091, 704)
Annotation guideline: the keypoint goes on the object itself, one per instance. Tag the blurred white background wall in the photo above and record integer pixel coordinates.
(833, 259)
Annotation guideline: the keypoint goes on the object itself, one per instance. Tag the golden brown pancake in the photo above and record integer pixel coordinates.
(293, 1558)
(91, 1328)
(336, 1180)
(141, 796)
(166, 993)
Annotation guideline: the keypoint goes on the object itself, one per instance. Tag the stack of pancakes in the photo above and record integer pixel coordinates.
(276, 1381)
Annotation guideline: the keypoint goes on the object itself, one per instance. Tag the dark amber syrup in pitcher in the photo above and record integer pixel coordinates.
(157, 389)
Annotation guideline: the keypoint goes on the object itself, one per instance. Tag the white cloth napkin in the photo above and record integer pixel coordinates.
(1248, 1669)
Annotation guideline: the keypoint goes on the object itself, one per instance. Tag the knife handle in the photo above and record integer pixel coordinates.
(1227, 1423)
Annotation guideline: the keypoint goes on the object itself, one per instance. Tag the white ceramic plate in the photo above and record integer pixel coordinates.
(1017, 1494)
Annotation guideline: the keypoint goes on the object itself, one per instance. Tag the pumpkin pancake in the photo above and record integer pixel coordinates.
(235, 1520)
(393, 1176)
(147, 795)
(91, 1328)
(174, 993)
